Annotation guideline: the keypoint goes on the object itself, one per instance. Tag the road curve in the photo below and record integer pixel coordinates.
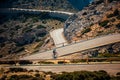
(36, 10)
(58, 37)
(80, 46)
(58, 14)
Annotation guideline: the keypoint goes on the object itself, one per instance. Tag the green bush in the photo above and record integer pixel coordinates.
(118, 73)
(118, 25)
(27, 29)
(21, 77)
(25, 62)
(91, 24)
(30, 26)
(2, 30)
(40, 26)
(83, 75)
(107, 55)
(85, 13)
(37, 75)
(17, 27)
(118, 17)
(3, 77)
(104, 23)
(86, 30)
(112, 20)
(35, 19)
(7, 62)
(19, 49)
(1, 56)
(44, 62)
(78, 60)
(17, 70)
(99, 2)
(61, 62)
(30, 71)
(116, 12)
(110, 15)
(44, 21)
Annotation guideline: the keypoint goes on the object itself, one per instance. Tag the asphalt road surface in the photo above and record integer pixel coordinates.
(58, 37)
(71, 48)
(110, 68)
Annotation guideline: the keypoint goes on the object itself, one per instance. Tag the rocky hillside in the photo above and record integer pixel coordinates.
(63, 5)
(95, 20)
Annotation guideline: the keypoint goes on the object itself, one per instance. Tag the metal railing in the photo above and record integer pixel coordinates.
(75, 42)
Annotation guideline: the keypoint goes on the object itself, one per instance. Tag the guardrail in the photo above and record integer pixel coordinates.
(75, 42)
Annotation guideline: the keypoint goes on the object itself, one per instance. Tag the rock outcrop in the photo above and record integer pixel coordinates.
(93, 21)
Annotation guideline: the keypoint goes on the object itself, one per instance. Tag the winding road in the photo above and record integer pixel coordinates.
(67, 48)
(75, 47)
(58, 37)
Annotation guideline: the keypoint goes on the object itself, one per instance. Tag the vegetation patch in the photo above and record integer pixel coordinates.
(76, 75)
(107, 55)
(118, 25)
(110, 15)
(25, 62)
(17, 70)
(24, 77)
(61, 62)
(40, 26)
(83, 75)
(78, 60)
(86, 30)
(104, 23)
(45, 62)
(118, 17)
(115, 13)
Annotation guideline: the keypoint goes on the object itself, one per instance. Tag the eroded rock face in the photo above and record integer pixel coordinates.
(91, 15)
